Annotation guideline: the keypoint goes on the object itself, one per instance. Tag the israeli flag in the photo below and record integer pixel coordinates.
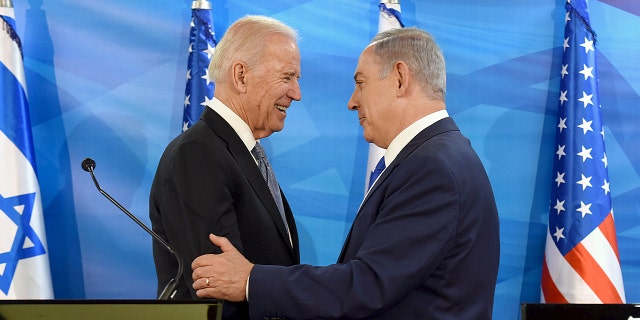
(24, 262)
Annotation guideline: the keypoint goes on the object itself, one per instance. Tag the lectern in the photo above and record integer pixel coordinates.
(580, 311)
(110, 309)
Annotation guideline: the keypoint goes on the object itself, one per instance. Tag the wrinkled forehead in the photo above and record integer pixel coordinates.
(282, 51)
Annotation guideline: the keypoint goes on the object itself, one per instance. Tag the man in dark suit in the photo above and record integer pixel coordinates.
(207, 180)
(425, 242)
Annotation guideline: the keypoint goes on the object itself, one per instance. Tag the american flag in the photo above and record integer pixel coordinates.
(24, 262)
(202, 43)
(389, 19)
(581, 262)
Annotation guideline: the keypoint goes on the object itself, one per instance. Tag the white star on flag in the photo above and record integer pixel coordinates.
(562, 124)
(586, 99)
(560, 178)
(560, 152)
(585, 126)
(585, 182)
(587, 72)
(559, 206)
(564, 71)
(584, 209)
(588, 45)
(585, 154)
(558, 234)
(563, 97)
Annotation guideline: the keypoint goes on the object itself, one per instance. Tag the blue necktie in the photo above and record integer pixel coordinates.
(270, 177)
(376, 172)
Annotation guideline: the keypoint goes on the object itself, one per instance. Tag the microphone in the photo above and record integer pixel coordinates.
(169, 290)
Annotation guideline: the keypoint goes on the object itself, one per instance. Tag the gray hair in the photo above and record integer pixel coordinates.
(245, 40)
(419, 51)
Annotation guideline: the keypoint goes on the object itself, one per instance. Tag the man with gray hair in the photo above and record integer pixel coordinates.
(425, 242)
(215, 178)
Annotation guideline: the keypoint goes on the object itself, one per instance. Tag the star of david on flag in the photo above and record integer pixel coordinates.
(24, 263)
(581, 262)
(202, 43)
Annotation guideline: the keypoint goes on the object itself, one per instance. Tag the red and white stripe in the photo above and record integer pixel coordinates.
(589, 273)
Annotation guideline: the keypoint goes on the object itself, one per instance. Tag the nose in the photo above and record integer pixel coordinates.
(295, 93)
(353, 104)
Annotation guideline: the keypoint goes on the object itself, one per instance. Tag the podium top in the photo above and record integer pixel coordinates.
(535, 311)
(110, 309)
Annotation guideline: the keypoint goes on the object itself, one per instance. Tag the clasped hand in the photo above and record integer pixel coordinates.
(222, 276)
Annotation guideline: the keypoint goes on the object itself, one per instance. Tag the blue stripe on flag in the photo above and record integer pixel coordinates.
(14, 114)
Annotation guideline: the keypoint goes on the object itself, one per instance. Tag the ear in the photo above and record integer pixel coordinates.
(403, 77)
(239, 70)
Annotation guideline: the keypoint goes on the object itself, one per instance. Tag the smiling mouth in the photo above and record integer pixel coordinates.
(281, 108)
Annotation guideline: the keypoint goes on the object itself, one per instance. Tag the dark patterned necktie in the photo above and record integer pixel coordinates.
(270, 177)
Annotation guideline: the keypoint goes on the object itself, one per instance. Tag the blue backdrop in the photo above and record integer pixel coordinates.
(106, 80)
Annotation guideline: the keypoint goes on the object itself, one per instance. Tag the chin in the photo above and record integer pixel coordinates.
(370, 140)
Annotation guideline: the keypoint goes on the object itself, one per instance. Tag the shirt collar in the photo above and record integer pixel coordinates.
(402, 139)
(237, 124)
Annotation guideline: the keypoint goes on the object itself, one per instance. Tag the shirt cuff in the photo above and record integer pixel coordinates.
(246, 289)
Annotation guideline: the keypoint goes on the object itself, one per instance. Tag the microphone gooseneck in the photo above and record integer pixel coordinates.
(169, 290)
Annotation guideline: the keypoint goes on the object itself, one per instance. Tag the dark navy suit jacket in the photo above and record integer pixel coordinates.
(424, 245)
(208, 182)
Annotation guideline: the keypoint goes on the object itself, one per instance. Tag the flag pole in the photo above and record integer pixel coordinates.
(199, 4)
(6, 4)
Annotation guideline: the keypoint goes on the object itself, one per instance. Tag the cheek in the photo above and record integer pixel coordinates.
(280, 92)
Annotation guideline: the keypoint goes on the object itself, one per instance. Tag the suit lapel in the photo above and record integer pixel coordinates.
(437, 128)
(440, 126)
(245, 160)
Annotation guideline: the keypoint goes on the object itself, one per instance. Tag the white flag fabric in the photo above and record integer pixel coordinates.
(389, 19)
(24, 262)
